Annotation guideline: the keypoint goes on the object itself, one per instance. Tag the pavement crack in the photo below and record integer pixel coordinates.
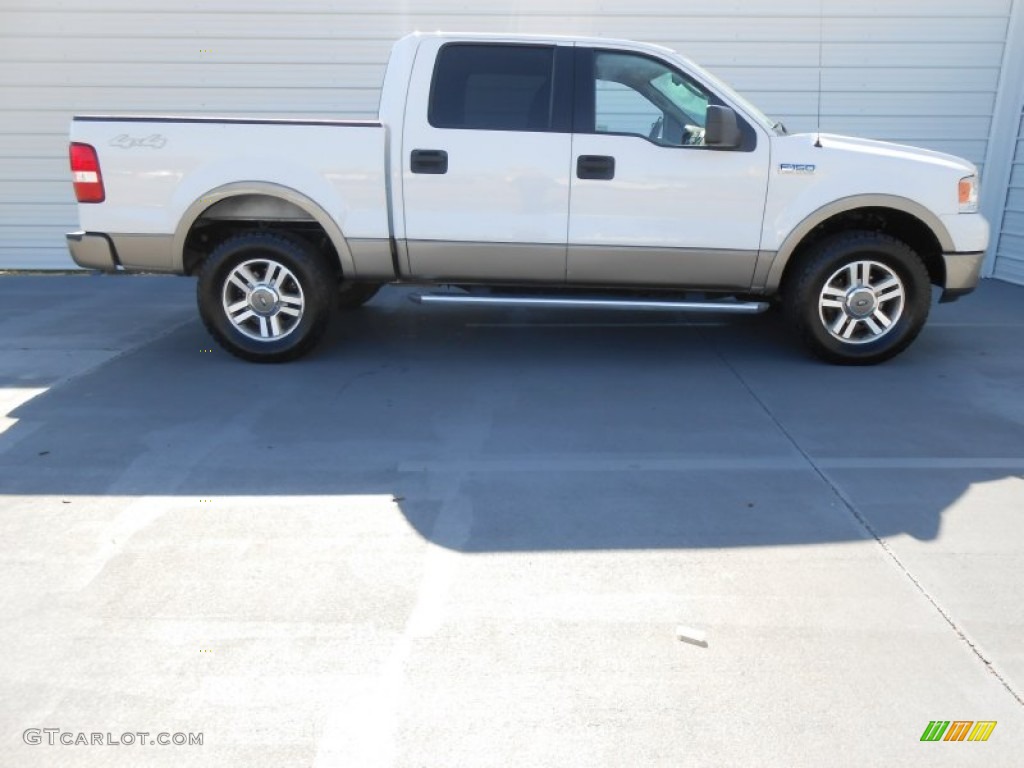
(857, 515)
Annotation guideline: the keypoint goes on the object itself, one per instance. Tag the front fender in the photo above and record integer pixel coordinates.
(770, 276)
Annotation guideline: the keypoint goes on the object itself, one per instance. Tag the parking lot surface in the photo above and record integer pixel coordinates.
(467, 537)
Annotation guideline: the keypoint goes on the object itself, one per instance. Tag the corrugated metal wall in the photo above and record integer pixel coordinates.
(1010, 246)
(905, 70)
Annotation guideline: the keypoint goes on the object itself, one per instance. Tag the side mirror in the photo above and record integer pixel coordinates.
(721, 130)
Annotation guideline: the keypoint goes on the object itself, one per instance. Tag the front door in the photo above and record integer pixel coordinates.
(651, 205)
(486, 154)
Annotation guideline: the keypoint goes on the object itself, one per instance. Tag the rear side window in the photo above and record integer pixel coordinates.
(493, 87)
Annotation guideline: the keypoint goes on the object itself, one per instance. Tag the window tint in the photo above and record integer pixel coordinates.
(492, 87)
(639, 95)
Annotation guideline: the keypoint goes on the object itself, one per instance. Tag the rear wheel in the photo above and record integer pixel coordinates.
(859, 298)
(265, 297)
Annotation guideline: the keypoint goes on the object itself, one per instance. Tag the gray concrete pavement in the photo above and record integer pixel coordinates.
(465, 537)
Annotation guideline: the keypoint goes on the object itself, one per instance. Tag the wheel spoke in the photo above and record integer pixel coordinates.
(876, 329)
(852, 269)
(865, 271)
(881, 318)
(264, 331)
(272, 272)
(831, 290)
(886, 285)
(848, 333)
(275, 326)
(832, 303)
(248, 276)
(288, 299)
(238, 306)
(283, 275)
(840, 323)
(893, 294)
(241, 318)
(237, 282)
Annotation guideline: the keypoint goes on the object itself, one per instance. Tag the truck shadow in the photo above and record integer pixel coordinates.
(549, 432)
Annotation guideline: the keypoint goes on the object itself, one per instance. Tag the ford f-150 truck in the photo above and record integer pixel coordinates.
(532, 171)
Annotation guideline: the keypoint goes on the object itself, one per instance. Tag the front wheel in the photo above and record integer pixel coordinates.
(265, 297)
(859, 298)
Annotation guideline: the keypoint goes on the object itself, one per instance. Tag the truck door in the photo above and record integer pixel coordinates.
(486, 157)
(651, 205)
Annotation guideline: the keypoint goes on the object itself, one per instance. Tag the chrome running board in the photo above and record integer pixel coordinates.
(569, 302)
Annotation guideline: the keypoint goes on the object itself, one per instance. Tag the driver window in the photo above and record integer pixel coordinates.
(620, 109)
(641, 96)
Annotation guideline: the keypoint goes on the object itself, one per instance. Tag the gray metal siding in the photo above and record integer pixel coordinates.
(1010, 247)
(903, 70)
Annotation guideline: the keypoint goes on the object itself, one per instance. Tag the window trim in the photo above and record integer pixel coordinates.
(585, 119)
(562, 85)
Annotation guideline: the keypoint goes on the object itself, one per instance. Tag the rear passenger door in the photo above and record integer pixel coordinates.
(486, 154)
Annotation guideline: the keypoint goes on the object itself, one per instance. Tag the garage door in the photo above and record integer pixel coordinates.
(1010, 248)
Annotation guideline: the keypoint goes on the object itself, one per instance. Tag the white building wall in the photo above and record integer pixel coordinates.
(904, 70)
(1009, 245)
(1003, 189)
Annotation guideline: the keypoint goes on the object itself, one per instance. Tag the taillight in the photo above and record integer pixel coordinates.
(85, 170)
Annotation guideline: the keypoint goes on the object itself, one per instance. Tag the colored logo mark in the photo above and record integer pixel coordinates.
(958, 730)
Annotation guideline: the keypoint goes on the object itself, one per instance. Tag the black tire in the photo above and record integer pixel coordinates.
(284, 309)
(841, 315)
(354, 295)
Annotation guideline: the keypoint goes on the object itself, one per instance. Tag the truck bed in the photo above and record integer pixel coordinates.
(160, 173)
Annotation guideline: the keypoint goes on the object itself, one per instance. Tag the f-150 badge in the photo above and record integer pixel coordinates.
(795, 168)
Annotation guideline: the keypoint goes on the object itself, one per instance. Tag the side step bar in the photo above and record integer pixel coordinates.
(569, 302)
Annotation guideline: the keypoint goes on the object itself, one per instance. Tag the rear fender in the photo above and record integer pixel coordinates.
(195, 211)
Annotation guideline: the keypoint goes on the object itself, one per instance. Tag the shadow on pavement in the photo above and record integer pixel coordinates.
(607, 430)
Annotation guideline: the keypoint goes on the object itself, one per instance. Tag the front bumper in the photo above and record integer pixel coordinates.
(92, 251)
(962, 273)
(969, 233)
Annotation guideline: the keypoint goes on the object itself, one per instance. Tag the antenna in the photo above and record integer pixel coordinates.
(821, 36)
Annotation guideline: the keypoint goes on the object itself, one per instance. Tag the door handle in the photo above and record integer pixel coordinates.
(599, 167)
(433, 161)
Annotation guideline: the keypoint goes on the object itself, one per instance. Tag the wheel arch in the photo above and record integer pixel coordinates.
(899, 217)
(257, 202)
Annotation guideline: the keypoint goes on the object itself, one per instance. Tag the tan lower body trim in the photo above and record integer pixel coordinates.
(500, 262)
(148, 253)
(372, 259)
(661, 267)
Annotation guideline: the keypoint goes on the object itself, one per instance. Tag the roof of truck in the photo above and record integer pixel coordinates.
(523, 38)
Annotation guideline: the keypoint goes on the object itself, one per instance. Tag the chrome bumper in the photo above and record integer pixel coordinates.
(962, 272)
(92, 251)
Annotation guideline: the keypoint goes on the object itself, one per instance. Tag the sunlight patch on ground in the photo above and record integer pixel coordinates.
(12, 398)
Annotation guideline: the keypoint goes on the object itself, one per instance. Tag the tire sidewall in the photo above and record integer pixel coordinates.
(831, 256)
(296, 257)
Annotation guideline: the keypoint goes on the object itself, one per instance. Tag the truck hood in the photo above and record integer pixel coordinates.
(852, 146)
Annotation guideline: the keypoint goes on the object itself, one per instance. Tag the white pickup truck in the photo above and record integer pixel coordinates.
(532, 171)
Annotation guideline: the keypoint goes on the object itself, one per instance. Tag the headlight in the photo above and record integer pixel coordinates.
(969, 194)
